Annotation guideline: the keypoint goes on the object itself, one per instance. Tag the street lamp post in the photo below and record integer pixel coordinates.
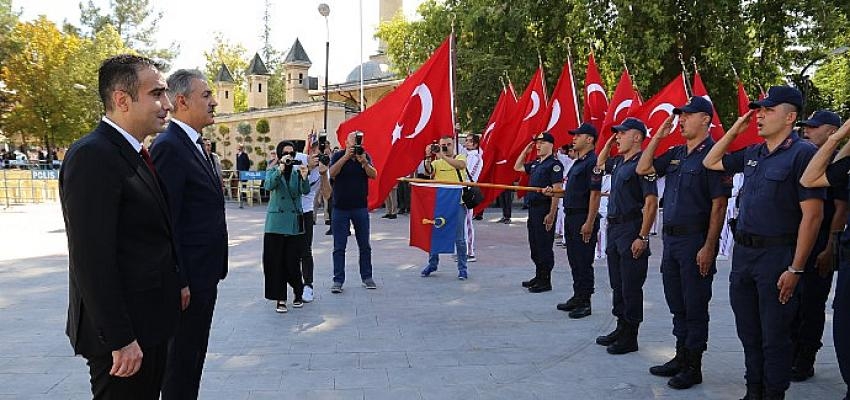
(325, 10)
(804, 82)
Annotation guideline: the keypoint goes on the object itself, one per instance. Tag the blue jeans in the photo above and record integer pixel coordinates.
(460, 244)
(340, 223)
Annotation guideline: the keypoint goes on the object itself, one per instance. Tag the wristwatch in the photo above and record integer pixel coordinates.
(795, 271)
(644, 238)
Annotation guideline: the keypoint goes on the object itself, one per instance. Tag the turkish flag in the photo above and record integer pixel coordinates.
(625, 99)
(527, 118)
(595, 99)
(398, 127)
(563, 107)
(751, 134)
(659, 107)
(504, 105)
(716, 130)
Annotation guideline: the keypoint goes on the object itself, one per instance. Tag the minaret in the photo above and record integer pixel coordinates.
(295, 68)
(258, 83)
(388, 9)
(224, 90)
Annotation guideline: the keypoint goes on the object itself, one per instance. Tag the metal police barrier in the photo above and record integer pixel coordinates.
(22, 186)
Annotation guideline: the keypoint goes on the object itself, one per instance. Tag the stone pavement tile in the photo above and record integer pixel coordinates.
(334, 361)
(76, 383)
(391, 394)
(21, 384)
(350, 394)
(379, 332)
(232, 394)
(303, 379)
(361, 378)
(428, 377)
(384, 360)
(514, 391)
(216, 380)
(263, 362)
(450, 392)
(254, 380)
(427, 359)
(506, 375)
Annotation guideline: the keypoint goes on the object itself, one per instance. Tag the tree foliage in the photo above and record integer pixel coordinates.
(235, 57)
(136, 22)
(764, 40)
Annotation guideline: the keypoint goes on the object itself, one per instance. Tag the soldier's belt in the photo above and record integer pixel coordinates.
(684, 229)
(758, 241)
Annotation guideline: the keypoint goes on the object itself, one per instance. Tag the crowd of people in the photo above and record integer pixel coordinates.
(148, 239)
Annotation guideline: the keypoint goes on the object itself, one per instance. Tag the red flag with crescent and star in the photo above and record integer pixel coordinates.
(595, 98)
(751, 134)
(525, 120)
(655, 110)
(699, 89)
(397, 128)
(625, 99)
(504, 105)
(563, 107)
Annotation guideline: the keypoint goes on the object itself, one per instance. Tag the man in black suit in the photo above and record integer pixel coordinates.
(196, 203)
(242, 161)
(124, 288)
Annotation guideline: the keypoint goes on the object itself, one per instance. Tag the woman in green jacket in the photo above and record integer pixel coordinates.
(286, 180)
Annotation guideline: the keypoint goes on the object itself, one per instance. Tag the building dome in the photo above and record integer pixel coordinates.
(372, 70)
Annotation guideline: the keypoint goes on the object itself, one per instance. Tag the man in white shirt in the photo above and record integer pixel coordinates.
(474, 163)
(319, 183)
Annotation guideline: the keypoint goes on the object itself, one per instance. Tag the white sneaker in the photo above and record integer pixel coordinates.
(308, 294)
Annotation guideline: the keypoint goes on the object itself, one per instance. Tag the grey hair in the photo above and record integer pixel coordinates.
(180, 82)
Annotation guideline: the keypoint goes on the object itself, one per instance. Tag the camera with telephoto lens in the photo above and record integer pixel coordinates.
(445, 148)
(323, 145)
(291, 159)
(358, 143)
(435, 148)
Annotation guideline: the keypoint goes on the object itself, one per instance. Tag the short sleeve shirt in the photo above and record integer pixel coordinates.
(581, 181)
(543, 173)
(443, 171)
(351, 184)
(770, 197)
(837, 175)
(690, 187)
(628, 190)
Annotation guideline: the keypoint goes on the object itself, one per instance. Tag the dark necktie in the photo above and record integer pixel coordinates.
(147, 157)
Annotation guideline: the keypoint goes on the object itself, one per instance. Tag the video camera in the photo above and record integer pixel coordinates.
(291, 159)
(323, 146)
(358, 143)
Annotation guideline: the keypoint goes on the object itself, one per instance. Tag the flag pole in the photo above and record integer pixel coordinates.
(735, 71)
(480, 185)
(452, 59)
(688, 88)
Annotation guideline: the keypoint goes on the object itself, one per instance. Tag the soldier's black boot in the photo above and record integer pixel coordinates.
(691, 374)
(672, 367)
(543, 284)
(627, 341)
(531, 282)
(804, 363)
(609, 339)
(582, 309)
(755, 391)
(774, 394)
(569, 305)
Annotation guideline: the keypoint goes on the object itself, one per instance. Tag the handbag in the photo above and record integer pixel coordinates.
(472, 195)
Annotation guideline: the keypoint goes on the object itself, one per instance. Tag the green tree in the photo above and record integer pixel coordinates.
(135, 20)
(234, 56)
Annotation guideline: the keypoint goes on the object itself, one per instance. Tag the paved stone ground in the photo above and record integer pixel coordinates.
(413, 338)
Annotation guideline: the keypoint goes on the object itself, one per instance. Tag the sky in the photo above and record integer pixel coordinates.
(192, 24)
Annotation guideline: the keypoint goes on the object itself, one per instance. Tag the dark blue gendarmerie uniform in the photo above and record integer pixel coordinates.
(688, 194)
(580, 182)
(807, 328)
(625, 204)
(542, 173)
(765, 241)
(837, 176)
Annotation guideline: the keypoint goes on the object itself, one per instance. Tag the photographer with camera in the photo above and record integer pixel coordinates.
(317, 164)
(443, 165)
(286, 179)
(351, 170)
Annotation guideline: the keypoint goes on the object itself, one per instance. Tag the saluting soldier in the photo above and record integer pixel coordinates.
(815, 284)
(777, 226)
(582, 194)
(694, 206)
(632, 206)
(544, 172)
(822, 172)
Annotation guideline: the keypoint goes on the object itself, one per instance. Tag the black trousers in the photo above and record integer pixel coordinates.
(404, 195)
(281, 254)
(307, 250)
(506, 200)
(187, 350)
(144, 385)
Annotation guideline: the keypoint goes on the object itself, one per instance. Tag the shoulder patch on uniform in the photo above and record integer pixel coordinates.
(675, 162)
(556, 168)
(597, 170)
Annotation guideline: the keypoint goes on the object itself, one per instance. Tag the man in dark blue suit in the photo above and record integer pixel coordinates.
(196, 202)
(242, 161)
